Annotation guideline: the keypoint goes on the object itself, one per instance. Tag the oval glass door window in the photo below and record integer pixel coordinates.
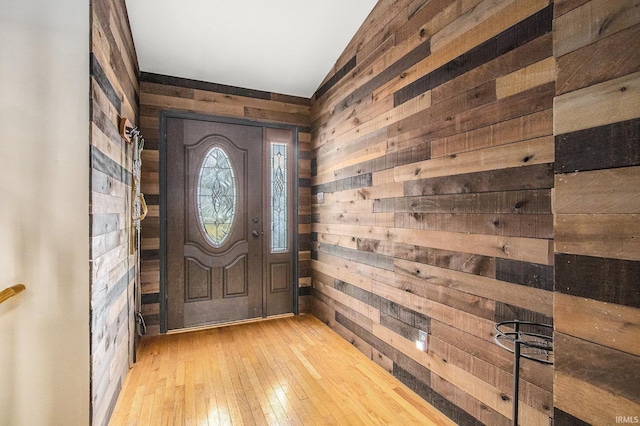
(216, 196)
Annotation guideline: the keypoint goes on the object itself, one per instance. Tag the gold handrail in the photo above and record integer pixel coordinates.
(11, 291)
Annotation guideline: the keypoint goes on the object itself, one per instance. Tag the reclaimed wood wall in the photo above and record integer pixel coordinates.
(159, 92)
(597, 212)
(114, 94)
(432, 176)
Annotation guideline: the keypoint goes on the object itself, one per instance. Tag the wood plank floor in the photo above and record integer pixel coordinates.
(287, 371)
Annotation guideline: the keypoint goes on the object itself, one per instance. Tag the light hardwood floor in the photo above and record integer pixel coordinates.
(287, 371)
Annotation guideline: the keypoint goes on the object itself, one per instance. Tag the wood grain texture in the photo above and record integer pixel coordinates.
(563, 6)
(598, 192)
(524, 31)
(610, 325)
(458, 150)
(562, 418)
(531, 298)
(97, 72)
(300, 373)
(475, 387)
(582, 109)
(389, 342)
(529, 177)
(520, 202)
(600, 235)
(465, 262)
(593, 21)
(481, 412)
(114, 93)
(479, 12)
(483, 348)
(598, 278)
(536, 151)
(603, 147)
(472, 98)
(507, 225)
(611, 370)
(160, 93)
(502, 133)
(576, 70)
(586, 401)
(501, 379)
(414, 56)
(529, 53)
(526, 78)
(596, 127)
(324, 88)
(528, 274)
(527, 249)
(529, 102)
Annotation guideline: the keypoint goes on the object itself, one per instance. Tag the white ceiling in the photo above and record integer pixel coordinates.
(280, 46)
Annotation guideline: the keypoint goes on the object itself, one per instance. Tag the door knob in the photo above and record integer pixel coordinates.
(255, 233)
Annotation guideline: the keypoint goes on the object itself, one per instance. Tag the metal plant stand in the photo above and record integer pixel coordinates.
(524, 339)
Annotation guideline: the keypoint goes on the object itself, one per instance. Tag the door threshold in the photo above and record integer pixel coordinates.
(226, 324)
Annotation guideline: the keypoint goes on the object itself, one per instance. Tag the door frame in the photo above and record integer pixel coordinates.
(162, 148)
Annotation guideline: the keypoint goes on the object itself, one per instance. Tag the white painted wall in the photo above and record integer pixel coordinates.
(44, 222)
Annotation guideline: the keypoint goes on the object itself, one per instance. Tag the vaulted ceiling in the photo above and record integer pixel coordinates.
(281, 46)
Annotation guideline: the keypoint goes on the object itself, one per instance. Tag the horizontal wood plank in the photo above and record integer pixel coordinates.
(583, 109)
(535, 201)
(529, 177)
(601, 235)
(534, 75)
(526, 249)
(587, 400)
(591, 22)
(598, 278)
(470, 18)
(608, 369)
(514, 130)
(475, 387)
(526, 153)
(603, 147)
(613, 326)
(527, 54)
(598, 192)
(576, 70)
(508, 225)
(528, 298)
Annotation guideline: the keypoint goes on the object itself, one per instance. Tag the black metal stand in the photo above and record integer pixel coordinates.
(530, 344)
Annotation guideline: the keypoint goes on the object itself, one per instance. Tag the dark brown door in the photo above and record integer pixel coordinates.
(214, 222)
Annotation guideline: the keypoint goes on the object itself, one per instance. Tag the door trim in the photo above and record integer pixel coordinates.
(162, 148)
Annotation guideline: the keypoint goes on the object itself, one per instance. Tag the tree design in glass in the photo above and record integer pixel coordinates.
(216, 196)
(279, 197)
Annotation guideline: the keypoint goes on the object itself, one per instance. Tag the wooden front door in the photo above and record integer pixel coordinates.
(217, 248)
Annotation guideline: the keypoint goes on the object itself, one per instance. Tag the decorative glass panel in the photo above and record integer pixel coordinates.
(279, 197)
(216, 196)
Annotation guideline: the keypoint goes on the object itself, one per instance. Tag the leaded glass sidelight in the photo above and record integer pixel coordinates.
(216, 196)
(279, 198)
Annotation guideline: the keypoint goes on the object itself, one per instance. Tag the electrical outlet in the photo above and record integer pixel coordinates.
(421, 343)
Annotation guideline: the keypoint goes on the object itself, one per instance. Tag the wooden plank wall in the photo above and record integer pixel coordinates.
(597, 212)
(159, 92)
(114, 94)
(432, 176)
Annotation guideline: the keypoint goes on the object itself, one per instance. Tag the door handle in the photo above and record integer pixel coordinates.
(11, 291)
(255, 233)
